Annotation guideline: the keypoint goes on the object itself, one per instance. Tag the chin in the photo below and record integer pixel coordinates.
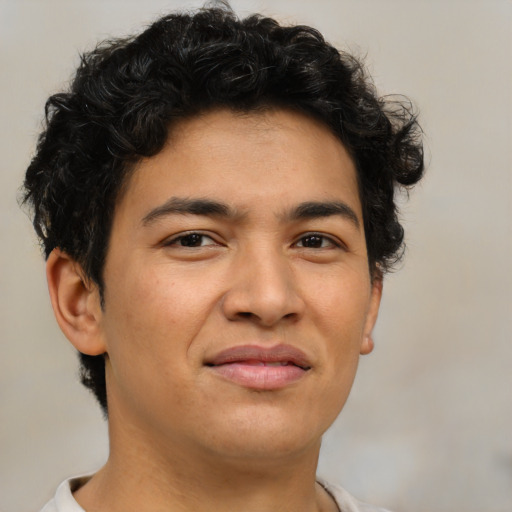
(265, 435)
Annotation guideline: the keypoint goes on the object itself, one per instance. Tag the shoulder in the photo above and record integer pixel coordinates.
(346, 502)
(63, 500)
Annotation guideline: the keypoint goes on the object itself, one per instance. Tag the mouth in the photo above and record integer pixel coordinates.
(260, 368)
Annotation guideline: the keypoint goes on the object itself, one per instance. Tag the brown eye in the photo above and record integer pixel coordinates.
(191, 240)
(315, 241)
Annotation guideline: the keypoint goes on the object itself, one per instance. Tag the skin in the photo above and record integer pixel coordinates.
(182, 436)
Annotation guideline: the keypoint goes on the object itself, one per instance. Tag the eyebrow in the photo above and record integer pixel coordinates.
(316, 209)
(212, 208)
(185, 206)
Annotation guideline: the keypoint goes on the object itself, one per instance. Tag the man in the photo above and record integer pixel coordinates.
(215, 201)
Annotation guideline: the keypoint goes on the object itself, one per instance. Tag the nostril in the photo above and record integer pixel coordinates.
(244, 304)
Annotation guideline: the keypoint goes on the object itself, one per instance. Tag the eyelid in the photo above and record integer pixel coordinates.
(331, 239)
(173, 239)
(334, 240)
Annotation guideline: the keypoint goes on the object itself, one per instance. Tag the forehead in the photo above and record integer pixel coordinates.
(248, 159)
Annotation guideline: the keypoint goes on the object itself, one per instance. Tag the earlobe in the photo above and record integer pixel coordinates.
(76, 303)
(367, 343)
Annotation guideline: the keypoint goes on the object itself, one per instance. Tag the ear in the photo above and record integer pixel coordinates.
(76, 303)
(367, 343)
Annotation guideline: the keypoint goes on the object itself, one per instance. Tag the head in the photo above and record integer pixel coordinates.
(128, 95)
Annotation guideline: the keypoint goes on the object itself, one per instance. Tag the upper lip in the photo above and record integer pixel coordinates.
(278, 353)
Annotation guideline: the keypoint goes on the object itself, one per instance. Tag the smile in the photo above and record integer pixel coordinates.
(260, 368)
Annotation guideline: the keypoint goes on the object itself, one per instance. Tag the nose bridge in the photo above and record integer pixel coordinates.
(262, 287)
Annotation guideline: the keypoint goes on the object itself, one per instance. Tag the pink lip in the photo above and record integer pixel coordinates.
(259, 367)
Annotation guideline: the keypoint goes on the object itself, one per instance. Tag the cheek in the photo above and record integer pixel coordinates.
(339, 305)
(148, 335)
(156, 316)
(338, 308)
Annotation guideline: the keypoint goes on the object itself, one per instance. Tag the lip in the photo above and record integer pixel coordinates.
(263, 368)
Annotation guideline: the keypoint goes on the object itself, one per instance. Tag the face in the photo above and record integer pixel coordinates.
(237, 291)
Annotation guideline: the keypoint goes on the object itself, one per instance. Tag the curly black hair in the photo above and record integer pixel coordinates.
(128, 92)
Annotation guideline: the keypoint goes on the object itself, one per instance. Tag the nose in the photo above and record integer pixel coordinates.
(263, 289)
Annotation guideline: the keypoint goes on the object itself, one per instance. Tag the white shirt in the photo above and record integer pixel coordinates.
(63, 500)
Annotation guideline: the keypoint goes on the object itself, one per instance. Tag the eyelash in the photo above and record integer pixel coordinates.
(323, 238)
(183, 236)
(312, 235)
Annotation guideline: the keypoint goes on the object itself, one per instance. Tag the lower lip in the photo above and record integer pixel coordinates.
(260, 377)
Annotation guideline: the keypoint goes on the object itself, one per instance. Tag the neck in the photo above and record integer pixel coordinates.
(150, 476)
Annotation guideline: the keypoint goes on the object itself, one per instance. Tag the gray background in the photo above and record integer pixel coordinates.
(428, 426)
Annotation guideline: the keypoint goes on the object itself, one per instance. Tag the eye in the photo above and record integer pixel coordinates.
(317, 241)
(191, 239)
